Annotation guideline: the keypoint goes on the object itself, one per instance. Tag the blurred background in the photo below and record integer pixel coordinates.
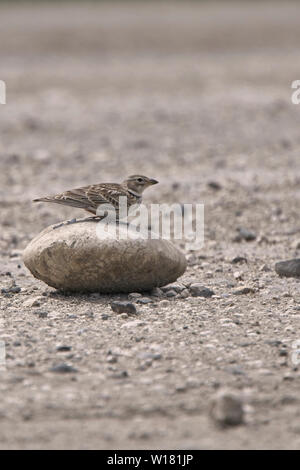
(185, 92)
(196, 94)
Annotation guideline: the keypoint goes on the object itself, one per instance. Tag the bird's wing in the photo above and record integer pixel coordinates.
(105, 194)
(73, 197)
(89, 197)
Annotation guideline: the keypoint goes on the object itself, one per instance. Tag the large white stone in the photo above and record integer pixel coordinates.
(81, 257)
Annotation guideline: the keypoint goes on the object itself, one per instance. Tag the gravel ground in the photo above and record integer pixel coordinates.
(197, 96)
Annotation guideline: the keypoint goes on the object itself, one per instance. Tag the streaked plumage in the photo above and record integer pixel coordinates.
(91, 197)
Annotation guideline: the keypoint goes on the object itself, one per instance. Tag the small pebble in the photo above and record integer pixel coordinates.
(124, 315)
(184, 294)
(173, 287)
(238, 275)
(157, 292)
(120, 375)
(227, 409)
(123, 307)
(171, 293)
(144, 300)
(244, 234)
(33, 302)
(63, 348)
(239, 259)
(198, 290)
(112, 359)
(63, 369)
(41, 313)
(243, 291)
(134, 296)
(214, 185)
(12, 289)
(289, 268)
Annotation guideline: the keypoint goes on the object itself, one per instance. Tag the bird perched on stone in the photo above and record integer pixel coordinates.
(91, 197)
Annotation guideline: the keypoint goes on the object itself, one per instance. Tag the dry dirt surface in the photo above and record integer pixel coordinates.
(198, 96)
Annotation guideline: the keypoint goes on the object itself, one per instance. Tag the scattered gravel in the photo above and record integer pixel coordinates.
(12, 289)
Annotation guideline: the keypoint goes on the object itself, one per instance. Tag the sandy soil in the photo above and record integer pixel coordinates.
(188, 94)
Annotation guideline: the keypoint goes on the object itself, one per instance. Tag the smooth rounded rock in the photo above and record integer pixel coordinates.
(83, 257)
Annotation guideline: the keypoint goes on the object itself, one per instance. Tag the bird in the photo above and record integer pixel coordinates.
(91, 197)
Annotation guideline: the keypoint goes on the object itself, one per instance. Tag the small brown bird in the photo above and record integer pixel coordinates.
(91, 197)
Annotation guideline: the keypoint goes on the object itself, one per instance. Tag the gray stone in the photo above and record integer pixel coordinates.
(227, 409)
(184, 294)
(12, 289)
(41, 313)
(124, 315)
(171, 293)
(177, 287)
(63, 348)
(33, 301)
(296, 244)
(144, 300)
(239, 259)
(122, 374)
(133, 324)
(83, 257)
(149, 355)
(123, 307)
(156, 292)
(134, 295)
(111, 359)
(245, 234)
(198, 290)
(214, 185)
(244, 290)
(63, 369)
(289, 268)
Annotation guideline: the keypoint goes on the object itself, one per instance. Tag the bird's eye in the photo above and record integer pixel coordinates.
(140, 180)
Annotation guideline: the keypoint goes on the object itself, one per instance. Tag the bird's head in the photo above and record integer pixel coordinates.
(138, 183)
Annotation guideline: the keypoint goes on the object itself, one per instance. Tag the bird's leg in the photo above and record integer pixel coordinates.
(59, 225)
(77, 221)
(69, 222)
(72, 221)
(93, 219)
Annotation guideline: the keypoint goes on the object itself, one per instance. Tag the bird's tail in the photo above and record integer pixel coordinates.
(44, 199)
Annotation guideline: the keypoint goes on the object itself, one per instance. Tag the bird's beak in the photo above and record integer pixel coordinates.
(153, 181)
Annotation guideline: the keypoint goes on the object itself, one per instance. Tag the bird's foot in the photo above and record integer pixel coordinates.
(95, 218)
(69, 222)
